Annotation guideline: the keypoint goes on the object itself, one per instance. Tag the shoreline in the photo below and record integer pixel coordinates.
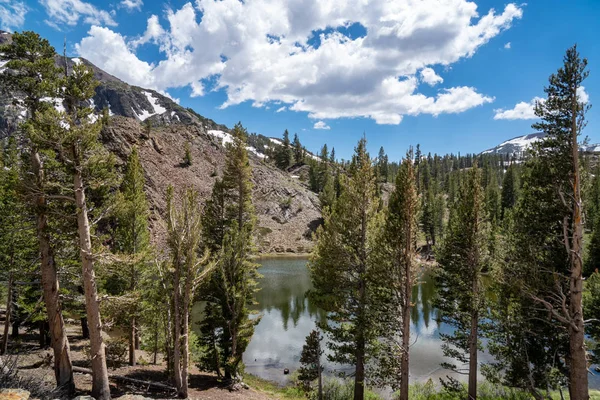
(281, 255)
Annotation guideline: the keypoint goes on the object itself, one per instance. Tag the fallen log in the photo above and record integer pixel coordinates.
(127, 379)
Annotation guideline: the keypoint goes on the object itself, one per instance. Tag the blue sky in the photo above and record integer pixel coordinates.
(448, 74)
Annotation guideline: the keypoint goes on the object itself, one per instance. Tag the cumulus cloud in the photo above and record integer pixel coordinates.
(12, 14)
(69, 12)
(525, 110)
(132, 4)
(429, 76)
(321, 125)
(582, 95)
(507, 45)
(299, 53)
(280, 109)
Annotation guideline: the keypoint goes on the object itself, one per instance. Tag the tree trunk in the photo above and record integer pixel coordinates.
(406, 310)
(4, 346)
(578, 378)
(85, 330)
(15, 326)
(137, 336)
(473, 345)
(177, 330)
(63, 369)
(100, 385)
(186, 339)
(132, 342)
(154, 360)
(359, 377)
(320, 376)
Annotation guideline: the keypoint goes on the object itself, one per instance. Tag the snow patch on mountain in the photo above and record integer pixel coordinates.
(227, 138)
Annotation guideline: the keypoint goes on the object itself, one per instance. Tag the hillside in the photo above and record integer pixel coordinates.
(288, 212)
(519, 145)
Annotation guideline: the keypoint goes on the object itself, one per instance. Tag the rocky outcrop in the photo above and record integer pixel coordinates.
(288, 213)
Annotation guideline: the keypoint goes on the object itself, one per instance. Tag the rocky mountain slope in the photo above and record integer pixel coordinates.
(288, 212)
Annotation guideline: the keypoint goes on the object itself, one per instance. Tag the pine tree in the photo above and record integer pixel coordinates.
(298, 150)
(187, 156)
(228, 327)
(184, 235)
(382, 165)
(310, 361)
(17, 233)
(132, 237)
(73, 137)
(509, 190)
(340, 267)
(332, 156)
(460, 293)
(283, 156)
(562, 118)
(395, 260)
(37, 77)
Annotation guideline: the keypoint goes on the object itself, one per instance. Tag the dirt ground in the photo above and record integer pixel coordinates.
(35, 362)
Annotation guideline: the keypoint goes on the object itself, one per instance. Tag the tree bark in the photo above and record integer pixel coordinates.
(177, 331)
(473, 344)
(359, 377)
(132, 342)
(578, 379)
(63, 369)
(4, 346)
(406, 311)
(186, 339)
(100, 385)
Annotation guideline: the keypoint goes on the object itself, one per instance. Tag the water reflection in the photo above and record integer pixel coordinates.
(288, 317)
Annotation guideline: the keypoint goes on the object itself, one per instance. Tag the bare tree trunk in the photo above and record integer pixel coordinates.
(4, 347)
(100, 384)
(186, 337)
(63, 369)
(473, 345)
(177, 329)
(132, 342)
(578, 379)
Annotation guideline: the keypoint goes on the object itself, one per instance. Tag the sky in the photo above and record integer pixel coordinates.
(450, 75)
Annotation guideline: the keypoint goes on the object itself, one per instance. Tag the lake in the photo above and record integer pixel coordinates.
(288, 317)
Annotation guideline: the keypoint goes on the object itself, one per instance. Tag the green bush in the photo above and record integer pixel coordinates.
(338, 389)
(486, 391)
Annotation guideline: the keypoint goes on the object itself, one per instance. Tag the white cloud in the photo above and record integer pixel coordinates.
(132, 4)
(263, 51)
(12, 14)
(71, 11)
(108, 49)
(522, 110)
(525, 110)
(582, 95)
(430, 77)
(321, 125)
(280, 109)
(507, 45)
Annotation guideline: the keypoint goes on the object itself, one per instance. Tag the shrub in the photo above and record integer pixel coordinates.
(116, 352)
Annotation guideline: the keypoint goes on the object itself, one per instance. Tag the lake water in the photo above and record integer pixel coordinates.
(288, 317)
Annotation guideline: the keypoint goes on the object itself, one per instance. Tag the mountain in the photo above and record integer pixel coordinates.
(288, 212)
(518, 145)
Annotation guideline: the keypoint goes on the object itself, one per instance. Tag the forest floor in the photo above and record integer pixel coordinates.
(36, 363)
